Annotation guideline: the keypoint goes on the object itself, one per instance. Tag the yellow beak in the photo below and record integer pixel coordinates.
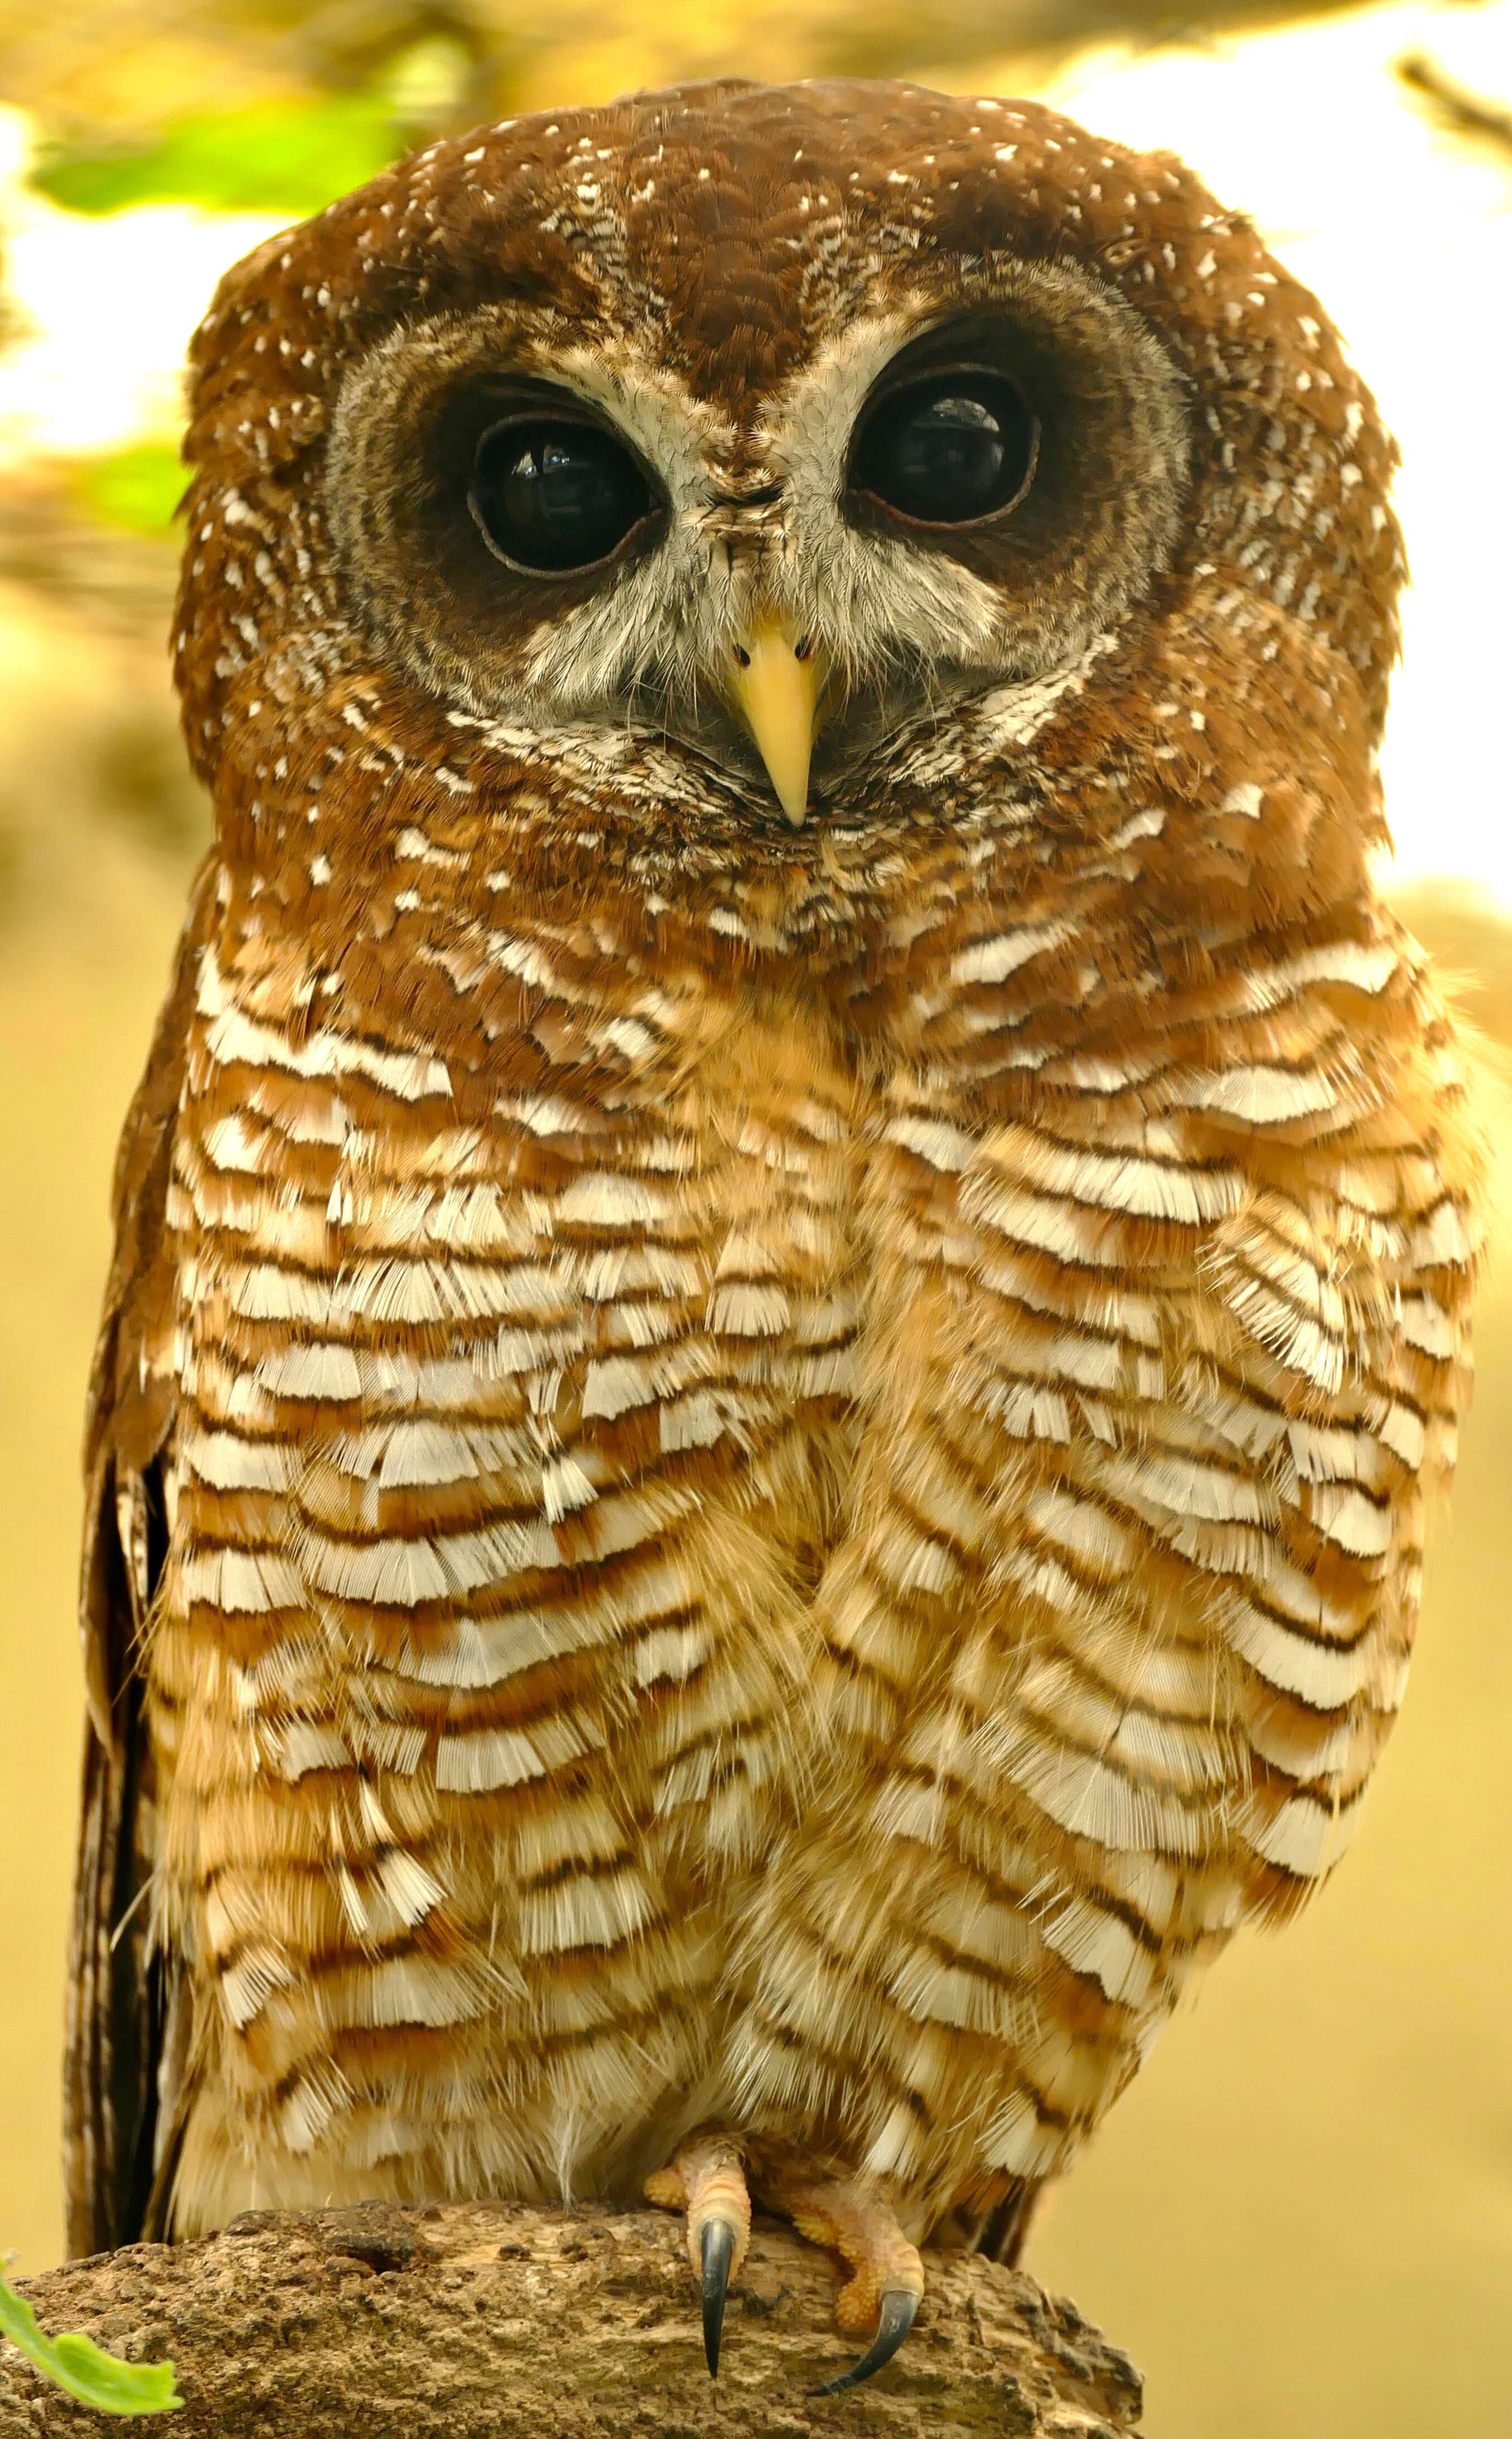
(775, 686)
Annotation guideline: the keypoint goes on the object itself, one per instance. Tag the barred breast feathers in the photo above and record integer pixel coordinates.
(1169, 1361)
(505, 1445)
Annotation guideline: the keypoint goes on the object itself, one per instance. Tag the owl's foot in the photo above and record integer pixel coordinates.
(707, 2178)
(886, 2285)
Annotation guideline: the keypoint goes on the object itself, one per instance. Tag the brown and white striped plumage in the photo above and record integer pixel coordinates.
(740, 1474)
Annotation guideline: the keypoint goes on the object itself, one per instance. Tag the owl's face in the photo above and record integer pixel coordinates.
(939, 486)
(590, 470)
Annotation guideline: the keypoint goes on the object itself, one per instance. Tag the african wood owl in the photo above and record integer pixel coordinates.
(795, 1251)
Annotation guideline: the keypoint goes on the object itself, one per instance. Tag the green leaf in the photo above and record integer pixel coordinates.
(84, 2369)
(138, 488)
(291, 156)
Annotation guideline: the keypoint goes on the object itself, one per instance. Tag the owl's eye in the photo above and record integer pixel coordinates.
(948, 450)
(553, 496)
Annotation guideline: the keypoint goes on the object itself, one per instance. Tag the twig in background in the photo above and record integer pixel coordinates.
(1469, 114)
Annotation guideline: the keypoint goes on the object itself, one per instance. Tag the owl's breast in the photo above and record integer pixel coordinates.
(516, 1390)
(514, 1418)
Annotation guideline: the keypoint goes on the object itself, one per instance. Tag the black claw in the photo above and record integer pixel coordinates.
(899, 2308)
(717, 2251)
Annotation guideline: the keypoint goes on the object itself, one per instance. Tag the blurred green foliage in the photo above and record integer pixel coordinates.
(291, 152)
(289, 156)
(138, 489)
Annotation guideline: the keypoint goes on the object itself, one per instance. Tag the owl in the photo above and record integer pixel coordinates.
(794, 1257)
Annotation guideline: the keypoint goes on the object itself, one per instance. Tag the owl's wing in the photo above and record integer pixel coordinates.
(123, 2075)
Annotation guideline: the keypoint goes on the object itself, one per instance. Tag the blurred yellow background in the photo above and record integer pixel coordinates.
(1300, 2219)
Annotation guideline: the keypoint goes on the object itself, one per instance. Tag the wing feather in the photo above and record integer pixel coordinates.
(122, 2082)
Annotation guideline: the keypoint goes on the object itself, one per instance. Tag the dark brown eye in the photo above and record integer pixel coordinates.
(949, 450)
(551, 495)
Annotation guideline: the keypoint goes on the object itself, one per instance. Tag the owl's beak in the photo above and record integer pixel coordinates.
(776, 685)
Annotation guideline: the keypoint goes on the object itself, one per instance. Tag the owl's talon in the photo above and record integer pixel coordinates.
(718, 2247)
(852, 2217)
(897, 2312)
(707, 2178)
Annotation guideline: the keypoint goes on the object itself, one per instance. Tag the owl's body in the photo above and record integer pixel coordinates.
(751, 1475)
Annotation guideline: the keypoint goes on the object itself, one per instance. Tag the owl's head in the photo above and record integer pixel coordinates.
(720, 427)
(716, 453)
